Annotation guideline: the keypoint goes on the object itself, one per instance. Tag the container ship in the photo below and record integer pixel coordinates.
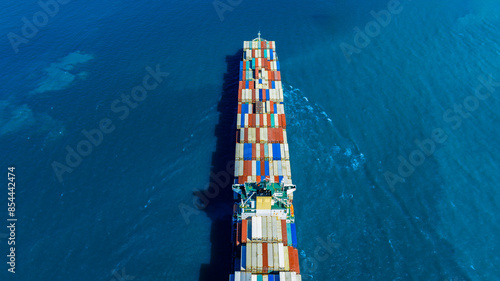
(264, 237)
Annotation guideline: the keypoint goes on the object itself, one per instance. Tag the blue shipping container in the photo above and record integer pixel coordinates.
(294, 235)
(247, 151)
(276, 151)
(243, 257)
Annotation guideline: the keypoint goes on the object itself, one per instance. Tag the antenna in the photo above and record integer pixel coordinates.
(259, 35)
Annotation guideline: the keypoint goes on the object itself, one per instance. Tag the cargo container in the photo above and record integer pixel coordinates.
(264, 231)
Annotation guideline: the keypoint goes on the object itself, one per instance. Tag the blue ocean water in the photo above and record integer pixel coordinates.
(361, 215)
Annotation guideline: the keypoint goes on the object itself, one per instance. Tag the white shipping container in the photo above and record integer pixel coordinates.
(278, 230)
(242, 136)
(283, 168)
(236, 168)
(254, 257)
(246, 120)
(264, 228)
(254, 229)
(240, 173)
(257, 151)
(262, 136)
(284, 137)
(299, 277)
(294, 276)
(287, 261)
(241, 151)
(259, 257)
(282, 276)
(270, 256)
(237, 276)
(265, 278)
(288, 169)
(282, 150)
(249, 257)
(269, 229)
(281, 255)
(276, 120)
(238, 121)
(264, 117)
(277, 171)
(253, 178)
(271, 169)
(258, 223)
(276, 256)
(254, 277)
(288, 276)
(251, 135)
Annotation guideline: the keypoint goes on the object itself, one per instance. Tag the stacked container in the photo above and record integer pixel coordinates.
(265, 245)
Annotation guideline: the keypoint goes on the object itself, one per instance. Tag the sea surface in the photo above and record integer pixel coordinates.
(422, 87)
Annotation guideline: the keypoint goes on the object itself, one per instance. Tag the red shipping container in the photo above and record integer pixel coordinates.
(251, 85)
(283, 120)
(270, 134)
(297, 264)
(279, 134)
(262, 154)
(254, 151)
(239, 94)
(247, 168)
(243, 226)
(262, 168)
(278, 75)
(245, 132)
(283, 227)
(265, 266)
(257, 135)
(271, 75)
(238, 233)
(262, 44)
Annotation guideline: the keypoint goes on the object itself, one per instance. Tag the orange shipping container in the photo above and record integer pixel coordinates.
(283, 120)
(243, 225)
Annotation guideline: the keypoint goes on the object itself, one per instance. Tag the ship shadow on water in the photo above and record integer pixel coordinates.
(218, 198)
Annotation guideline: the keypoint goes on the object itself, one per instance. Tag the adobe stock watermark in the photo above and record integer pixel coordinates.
(202, 197)
(40, 19)
(453, 116)
(227, 6)
(121, 107)
(372, 29)
(323, 250)
(117, 276)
